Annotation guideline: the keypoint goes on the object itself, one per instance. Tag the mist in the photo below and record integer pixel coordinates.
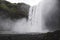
(8, 26)
(44, 17)
(52, 19)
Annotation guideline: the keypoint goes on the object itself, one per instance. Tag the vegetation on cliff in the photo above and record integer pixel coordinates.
(13, 10)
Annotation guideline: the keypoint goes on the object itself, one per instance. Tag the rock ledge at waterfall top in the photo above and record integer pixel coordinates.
(13, 10)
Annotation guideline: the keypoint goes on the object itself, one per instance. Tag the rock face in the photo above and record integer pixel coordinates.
(13, 10)
(23, 8)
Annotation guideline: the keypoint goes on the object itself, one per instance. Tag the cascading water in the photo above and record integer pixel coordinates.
(42, 18)
(36, 21)
(38, 15)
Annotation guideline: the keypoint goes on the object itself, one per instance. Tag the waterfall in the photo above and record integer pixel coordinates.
(38, 15)
(36, 21)
(41, 19)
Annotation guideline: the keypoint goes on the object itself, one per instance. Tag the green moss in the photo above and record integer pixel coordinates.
(13, 9)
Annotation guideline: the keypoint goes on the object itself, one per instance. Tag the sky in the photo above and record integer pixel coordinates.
(30, 2)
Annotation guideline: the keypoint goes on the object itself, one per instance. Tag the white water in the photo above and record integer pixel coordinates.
(39, 13)
(36, 22)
